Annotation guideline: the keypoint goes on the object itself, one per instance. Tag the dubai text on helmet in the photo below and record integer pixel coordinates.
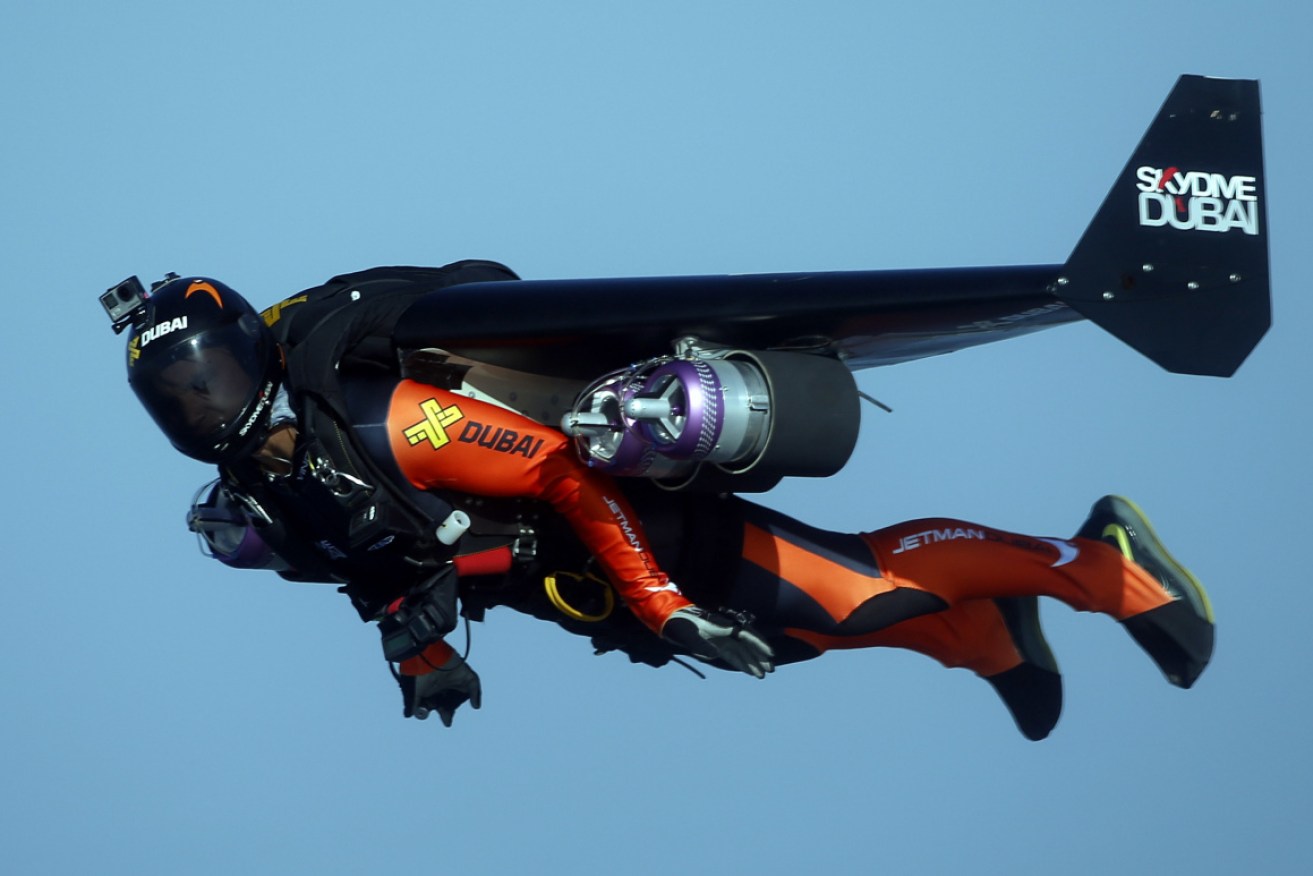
(156, 331)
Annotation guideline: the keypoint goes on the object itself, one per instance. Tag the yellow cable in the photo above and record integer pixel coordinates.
(565, 608)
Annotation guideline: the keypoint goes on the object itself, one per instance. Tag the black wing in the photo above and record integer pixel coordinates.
(1174, 263)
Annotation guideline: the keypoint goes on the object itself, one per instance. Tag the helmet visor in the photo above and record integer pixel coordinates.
(201, 389)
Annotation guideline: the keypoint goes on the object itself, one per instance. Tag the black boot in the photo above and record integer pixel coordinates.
(1032, 691)
(1179, 635)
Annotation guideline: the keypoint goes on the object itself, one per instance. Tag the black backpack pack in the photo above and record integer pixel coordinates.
(371, 529)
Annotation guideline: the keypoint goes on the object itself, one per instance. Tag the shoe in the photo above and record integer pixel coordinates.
(1178, 635)
(1032, 691)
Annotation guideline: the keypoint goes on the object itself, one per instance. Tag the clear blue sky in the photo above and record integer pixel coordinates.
(163, 714)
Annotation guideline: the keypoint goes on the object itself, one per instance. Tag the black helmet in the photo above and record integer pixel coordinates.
(206, 367)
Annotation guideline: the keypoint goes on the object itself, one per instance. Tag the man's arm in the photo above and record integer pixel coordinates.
(442, 440)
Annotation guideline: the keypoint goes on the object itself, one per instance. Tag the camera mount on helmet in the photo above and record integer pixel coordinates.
(125, 302)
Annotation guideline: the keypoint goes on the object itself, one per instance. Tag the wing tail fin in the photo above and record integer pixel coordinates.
(1175, 263)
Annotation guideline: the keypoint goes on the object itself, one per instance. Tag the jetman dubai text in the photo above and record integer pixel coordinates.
(931, 536)
(1196, 200)
(631, 536)
(623, 519)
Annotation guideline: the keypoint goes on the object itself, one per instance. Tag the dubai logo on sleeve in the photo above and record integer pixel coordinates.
(433, 428)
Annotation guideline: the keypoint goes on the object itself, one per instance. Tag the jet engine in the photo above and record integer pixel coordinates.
(736, 420)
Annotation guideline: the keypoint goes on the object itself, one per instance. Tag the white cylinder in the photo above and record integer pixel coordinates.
(453, 527)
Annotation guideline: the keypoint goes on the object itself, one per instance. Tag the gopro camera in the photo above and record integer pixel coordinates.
(125, 303)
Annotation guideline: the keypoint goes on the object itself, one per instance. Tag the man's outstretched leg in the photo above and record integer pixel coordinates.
(1115, 565)
(999, 640)
(815, 591)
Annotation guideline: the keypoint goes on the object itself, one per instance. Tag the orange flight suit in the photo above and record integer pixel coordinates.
(943, 574)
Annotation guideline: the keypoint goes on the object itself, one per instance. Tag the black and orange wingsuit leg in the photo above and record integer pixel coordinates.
(958, 592)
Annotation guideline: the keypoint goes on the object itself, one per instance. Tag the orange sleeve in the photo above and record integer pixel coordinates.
(445, 441)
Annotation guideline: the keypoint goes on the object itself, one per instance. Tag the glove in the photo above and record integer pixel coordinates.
(720, 635)
(443, 690)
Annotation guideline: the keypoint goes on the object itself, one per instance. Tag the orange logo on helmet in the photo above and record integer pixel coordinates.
(202, 286)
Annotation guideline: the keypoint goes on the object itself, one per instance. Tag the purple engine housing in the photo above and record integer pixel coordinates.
(663, 418)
